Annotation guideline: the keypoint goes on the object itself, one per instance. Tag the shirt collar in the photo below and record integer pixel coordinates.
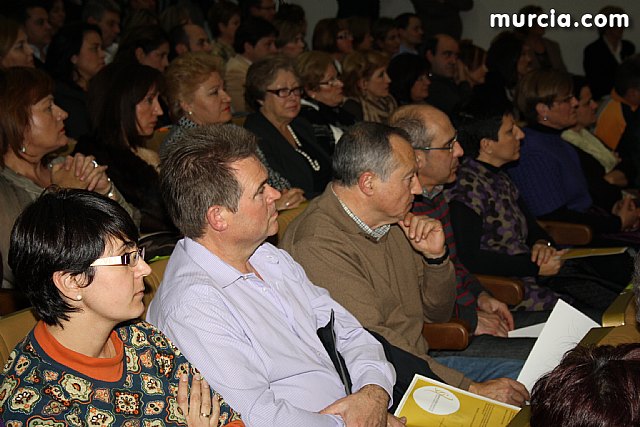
(433, 193)
(374, 233)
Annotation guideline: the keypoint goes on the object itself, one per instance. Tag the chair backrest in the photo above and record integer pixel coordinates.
(152, 281)
(12, 300)
(286, 216)
(13, 328)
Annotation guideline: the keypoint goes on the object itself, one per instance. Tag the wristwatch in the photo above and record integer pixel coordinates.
(439, 260)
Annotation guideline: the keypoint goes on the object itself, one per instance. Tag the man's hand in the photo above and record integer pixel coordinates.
(365, 408)
(502, 389)
(494, 317)
(425, 234)
(393, 421)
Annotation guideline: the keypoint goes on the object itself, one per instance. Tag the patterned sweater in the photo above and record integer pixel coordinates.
(38, 390)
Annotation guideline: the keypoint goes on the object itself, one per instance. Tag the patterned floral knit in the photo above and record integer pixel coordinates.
(39, 391)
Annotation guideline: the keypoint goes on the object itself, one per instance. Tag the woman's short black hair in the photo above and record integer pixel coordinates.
(404, 70)
(64, 230)
(474, 125)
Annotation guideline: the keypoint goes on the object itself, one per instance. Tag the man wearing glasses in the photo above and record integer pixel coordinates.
(388, 267)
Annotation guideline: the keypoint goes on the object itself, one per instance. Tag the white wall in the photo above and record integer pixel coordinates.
(477, 23)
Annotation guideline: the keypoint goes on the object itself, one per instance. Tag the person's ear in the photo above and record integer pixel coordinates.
(362, 84)
(140, 55)
(69, 285)
(186, 107)
(366, 183)
(486, 145)
(74, 59)
(542, 110)
(217, 217)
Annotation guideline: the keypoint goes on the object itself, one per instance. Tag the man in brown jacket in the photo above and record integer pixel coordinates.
(388, 267)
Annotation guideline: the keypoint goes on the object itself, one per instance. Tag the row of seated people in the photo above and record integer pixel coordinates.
(260, 353)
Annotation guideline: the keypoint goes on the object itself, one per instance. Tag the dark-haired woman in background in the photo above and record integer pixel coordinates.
(385, 36)
(410, 78)
(332, 35)
(223, 19)
(148, 45)
(87, 358)
(15, 50)
(74, 57)
(124, 106)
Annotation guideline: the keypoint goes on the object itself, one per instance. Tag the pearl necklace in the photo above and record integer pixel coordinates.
(314, 163)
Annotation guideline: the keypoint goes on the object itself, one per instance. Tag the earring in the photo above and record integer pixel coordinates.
(23, 149)
(78, 297)
(190, 113)
(544, 118)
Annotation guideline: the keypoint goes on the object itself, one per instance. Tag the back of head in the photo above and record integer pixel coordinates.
(112, 98)
(21, 88)
(96, 9)
(628, 75)
(221, 12)
(83, 219)
(251, 30)
(365, 147)
(503, 55)
(325, 35)
(591, 387)
(197, 173)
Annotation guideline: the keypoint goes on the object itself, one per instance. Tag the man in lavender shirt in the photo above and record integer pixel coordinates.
(242, 311)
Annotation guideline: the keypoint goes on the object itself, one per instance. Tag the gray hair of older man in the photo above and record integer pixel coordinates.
(413, 119)
(365, 147)
(197, 173)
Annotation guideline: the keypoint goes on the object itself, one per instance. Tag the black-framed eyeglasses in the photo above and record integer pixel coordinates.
(285, 92)
(130, 258)
(331, 82)
(448, 146)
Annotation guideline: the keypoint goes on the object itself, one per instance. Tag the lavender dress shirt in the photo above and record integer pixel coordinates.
(255, 340)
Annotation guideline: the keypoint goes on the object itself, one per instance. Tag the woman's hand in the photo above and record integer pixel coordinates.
(291, 198)
(200, 410)
(81, 172)
(625, 208)
(542, 252)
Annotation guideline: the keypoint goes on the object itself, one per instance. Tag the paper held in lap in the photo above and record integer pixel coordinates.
(429, 402)
(586, 252)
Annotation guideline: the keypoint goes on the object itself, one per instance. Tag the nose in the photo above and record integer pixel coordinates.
(62, 115)
(273, 193)
(225, 96)
(457, 150)
(142, 268)
(519, 133)
(574, 102)
(157, 108)
(416, 188)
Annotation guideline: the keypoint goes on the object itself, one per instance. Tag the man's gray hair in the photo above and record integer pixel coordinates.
(411, 120)
(365, 147)
(196, 173)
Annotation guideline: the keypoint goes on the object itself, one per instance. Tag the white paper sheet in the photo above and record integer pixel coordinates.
(532, 331)
(564, 329)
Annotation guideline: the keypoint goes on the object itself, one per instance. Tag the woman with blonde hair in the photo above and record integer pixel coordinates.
(366, 83)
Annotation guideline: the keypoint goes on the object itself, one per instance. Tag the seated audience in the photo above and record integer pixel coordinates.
(446, 93)
(618, 124)
(15, 50)
(32, 131)
(545, 53)
(147, 45)
(410, 32)
(106, 15)
(548, 175)
(497, 235)
(88, 270)
(124, 108)
(366, 84)
(332, 36)
(603, 383)
(244, 312)
(410, 79)
(288, 142)
(388, 267)
(322, 103)
(223, 19)
(76, 56)
(255, 39)
(601, 58)
(385, 36)
(598, 162)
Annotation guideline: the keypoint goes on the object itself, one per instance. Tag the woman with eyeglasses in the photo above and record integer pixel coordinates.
(273, 91)
(88, 359)
(323, 98)
(549, 175)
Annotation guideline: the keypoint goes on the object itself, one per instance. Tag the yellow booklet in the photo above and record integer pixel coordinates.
(585, 252)
(429, 403)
